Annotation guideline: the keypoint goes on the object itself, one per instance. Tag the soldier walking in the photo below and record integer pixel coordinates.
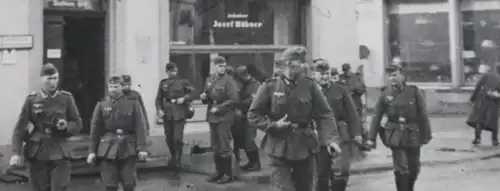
(245, 136)
(285, 107)
(485, 111)
(132, 94)
(221, 94)
(55, 117)
(357, 88)
(118, 137)
(402, 122)
(172, 104)
(348, 124)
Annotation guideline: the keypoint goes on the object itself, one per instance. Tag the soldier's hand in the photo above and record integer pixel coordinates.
(334, 149)
(91, 158)
(358, 139)
(180, 100)
(203, 96)
(62, 124)
(214, 109)
(15, 160)
(283, 122)
(160, 113)
(142, 155)
(370, 143)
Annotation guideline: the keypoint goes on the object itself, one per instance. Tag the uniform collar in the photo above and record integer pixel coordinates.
(45, 94)
(116, 99)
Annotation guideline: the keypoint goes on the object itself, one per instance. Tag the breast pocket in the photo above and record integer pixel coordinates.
(304, 105)
(336, 103)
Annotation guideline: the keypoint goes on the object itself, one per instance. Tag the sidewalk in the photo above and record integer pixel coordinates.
(451, 144)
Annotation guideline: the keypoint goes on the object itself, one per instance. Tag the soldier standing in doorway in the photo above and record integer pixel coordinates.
(172, 105)
(348, 123)
(135, 95)
(246, 139)
(356, 86)
(221, 94)
(285, 108)
(402, 122)
(55, 117)
(118, 137)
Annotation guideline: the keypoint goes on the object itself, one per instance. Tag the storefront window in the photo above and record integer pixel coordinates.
(420, 43)
(481, 38)
(231, 24)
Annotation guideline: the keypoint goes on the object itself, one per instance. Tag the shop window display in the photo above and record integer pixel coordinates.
(420, 43)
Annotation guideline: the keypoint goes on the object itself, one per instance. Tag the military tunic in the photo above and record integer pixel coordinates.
(117, 134)
(135, 95)
(485, 110)
(174, 120)
(246, 133)
(402, 122)
(292, 149)
(46, 147)
(348, 123)
(222, 93)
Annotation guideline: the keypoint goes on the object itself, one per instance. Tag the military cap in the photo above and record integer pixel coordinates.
(48, 70)
(242, 71)
(170, 66)
(321, 65)
(334, 71)
(126, 79)
(294, 53)
(115, 79)
(393, 68)
(346, 67)
(219, 60)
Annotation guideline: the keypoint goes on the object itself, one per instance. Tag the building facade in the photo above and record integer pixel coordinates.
(90, 39)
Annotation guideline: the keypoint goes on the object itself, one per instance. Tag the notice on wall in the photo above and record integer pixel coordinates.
(8, 57)
(54, 53)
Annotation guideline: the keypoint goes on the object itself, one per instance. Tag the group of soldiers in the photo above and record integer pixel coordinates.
(118, 134)
(311, 116)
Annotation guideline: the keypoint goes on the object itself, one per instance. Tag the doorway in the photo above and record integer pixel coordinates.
(81, 40)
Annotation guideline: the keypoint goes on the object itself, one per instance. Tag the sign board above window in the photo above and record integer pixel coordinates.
(16, 41)
(74, 5)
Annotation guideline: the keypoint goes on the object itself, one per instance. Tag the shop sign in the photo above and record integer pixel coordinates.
(77, 5)
(16, 41)
(236, 20)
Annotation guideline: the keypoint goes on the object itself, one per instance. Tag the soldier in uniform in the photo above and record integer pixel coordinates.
(55, 117)
(348, 123)
(355, 84)
(172, 104)
(247, 134)
(132, 94)
(402, 122)
(221, 94)
(118, 137)
(287, 108)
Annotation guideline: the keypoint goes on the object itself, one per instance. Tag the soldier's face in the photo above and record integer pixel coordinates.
(335, 78)
(322, 77)
(395, 77)
(50, 82)
(220, 68)
(172, 72)
(114, 89)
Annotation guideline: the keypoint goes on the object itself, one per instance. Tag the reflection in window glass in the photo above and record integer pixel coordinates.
(420, 42)
(199, 69)
(481, 37)
(230, 22)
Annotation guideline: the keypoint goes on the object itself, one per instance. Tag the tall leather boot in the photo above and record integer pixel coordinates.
(494, 138)
(477, 135)
(178, 155)
(227, 166)
(219, 172)
(173, 153)
(253, 162)
(402, 181)
(237, 155)
(412, 179)
(339, 185)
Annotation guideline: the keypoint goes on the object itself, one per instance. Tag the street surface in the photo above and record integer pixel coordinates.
(477, 176)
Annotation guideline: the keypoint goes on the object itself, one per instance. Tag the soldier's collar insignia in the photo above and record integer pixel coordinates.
(390, 98)
(37, 105)
(279, 94)
(45, 95)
